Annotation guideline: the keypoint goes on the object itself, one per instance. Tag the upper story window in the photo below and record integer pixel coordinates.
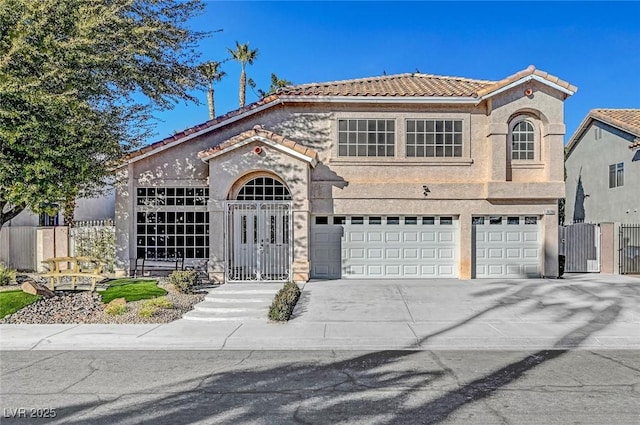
(366, 137)
(616, 175)
(434, 138)
(523, 141)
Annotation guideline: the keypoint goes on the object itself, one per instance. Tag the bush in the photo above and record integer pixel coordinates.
(160, 302)
(185, 281)
(7, 275)
(115, 309)
(147, 311)
(284, 302)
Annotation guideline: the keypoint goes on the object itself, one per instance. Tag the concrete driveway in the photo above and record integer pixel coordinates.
(578, 310)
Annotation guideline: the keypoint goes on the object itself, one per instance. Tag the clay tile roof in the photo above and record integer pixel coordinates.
(401, 85)
(635, 144)
(625, 119)
(389, 86)
(531, 70)
(261, 132)
(182, 134)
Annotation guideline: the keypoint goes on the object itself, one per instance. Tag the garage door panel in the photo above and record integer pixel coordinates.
(495, 236)
(357, 253)
(392, 253)
(356, 237)
(374, 270)
(445, 271)
(513, 268)
(410, 253)
(428, 253)
(428, 270)
(374, 236)
(392, 270)
(445, 253)
(514, 236)
(513, 253)
(428, 236)
(446, 237)
(531, 270)
(392, 237)
(410, 237)
(374, 253)
(410, 270)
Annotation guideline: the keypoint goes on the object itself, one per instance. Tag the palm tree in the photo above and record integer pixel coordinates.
(245, 56)
(212, 73)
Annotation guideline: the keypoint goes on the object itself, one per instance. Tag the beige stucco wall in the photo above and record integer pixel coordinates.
(483, 181)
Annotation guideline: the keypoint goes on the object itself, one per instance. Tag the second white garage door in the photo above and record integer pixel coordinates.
(386, 247)
(507, 247)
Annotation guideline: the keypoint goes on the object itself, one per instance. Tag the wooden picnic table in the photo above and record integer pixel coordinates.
(73, 268)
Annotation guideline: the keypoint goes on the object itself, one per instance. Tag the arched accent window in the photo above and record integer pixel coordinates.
(523, 141)
(264, 189)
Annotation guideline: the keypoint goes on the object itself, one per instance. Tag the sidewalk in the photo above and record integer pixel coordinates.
(583, 311)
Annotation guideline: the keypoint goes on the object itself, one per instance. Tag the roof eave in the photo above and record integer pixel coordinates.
(380, 99)
(524, 80)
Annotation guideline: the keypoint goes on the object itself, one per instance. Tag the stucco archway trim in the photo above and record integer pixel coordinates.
(259, 134)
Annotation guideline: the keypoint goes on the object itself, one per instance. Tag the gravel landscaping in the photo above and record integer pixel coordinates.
(86, 307)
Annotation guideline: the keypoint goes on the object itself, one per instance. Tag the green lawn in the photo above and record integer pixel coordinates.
(12, 301)
(132, 290)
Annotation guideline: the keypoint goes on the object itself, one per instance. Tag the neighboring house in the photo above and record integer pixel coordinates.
(87, 209)
(29, 238)
(603, 168)
(399, 176)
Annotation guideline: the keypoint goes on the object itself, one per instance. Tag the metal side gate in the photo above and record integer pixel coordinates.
(629, 248)
(258, 241)
(580, 244)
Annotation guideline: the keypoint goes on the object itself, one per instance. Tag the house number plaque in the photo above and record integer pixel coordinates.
(425, 190)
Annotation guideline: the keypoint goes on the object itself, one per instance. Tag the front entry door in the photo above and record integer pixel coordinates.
(258, 241)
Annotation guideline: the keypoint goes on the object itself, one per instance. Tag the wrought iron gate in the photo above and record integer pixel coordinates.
(629, 248)
(580, 244)
(258, 242)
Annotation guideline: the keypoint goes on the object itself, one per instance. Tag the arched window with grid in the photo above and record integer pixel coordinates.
(523, 141)
(264, 189)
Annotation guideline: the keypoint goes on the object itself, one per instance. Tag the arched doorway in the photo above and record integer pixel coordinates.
(258, 222)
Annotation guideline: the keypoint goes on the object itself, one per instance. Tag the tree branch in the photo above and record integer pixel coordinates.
(5, 216)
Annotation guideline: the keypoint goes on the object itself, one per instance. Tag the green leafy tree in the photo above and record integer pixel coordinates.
(78, 83)
(212, 74)
(276, 84)
(244, 55)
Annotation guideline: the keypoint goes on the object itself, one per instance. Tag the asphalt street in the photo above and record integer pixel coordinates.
(320, 387)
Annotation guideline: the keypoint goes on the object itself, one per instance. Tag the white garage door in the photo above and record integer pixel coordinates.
(507, 247)
(385, 247)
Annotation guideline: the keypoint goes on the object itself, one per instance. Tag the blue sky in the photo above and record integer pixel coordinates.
(593, 45)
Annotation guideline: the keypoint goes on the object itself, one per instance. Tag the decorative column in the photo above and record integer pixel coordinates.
(215, 266)
(301, 219)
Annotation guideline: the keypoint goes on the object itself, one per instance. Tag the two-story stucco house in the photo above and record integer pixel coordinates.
(399, 176)
(603, 168)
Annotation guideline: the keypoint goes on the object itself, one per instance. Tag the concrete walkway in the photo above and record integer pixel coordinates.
(581, 311)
